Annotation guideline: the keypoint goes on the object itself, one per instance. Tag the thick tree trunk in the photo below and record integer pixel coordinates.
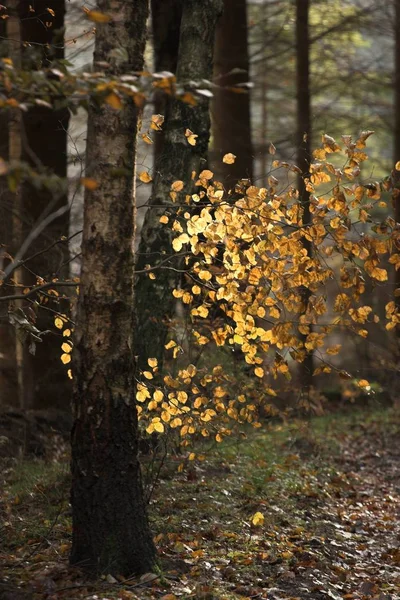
(396, 195)
(231, 102)
(110, 528)
(44, 147)
(177, 161)
(303, 145)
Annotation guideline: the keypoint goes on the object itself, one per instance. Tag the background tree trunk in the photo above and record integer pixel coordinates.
(303, 145)
(177, 161)
(166, 22)
(44, 147)
(231, 103)
(110, 528)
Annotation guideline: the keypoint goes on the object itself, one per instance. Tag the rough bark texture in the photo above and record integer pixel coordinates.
(155, 303)
(396, 196)
(303, 144)
(110, 528)
(44, 147)
(231, 103)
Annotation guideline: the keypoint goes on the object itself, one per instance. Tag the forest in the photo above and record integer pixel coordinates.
(200, 299)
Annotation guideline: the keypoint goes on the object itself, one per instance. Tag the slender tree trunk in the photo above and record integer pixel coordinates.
(166, 21)
(303, 145)
(396, 195)
(177, 161)
(231, 102)
(110, 528)
(44, 147)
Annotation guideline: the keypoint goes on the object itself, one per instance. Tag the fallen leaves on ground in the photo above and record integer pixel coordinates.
(305, 511)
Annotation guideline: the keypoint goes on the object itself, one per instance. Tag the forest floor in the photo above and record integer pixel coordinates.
(305, 510)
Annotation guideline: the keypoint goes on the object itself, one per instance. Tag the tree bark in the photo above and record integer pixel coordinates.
(303, 145)
(44, 147)
(110, 527)
(231, 102)
(177, 161)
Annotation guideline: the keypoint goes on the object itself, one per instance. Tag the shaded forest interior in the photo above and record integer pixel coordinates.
(199, 299)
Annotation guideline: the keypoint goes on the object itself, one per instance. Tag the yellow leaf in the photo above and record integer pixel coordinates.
(229, 158)
(363, 383)
(146, 138)
(148, 375)
(182, 396)
(159, 427)
(257, 519)
(334, 349)
(152, 362)
(65, 358)
(51, 11)
(66, 348)
(145, 177)
(192, 456)
(206, 174)
(58, 323)
(271, 149)
(158, 395)
(69, 373)
(171, 344)
(156, 122)
(177, 186)
(204, 275)
(259, 372)
(164, 219)
(66, 332)
(89, 183)
(97, 17)
(379, 274)
(191, 137)
(114, 101)
(142, 393)
(397, 166)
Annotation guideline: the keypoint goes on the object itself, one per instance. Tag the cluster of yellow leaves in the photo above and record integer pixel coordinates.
(191, 402)
(253, 258)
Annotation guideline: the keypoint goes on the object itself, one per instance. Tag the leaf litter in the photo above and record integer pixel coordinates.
(306, 510)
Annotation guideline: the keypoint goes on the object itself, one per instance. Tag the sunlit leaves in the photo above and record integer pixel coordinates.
(250, 264)
(229, 158)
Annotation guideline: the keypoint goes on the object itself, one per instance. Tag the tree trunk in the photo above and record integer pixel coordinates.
(44, 147)
(110, 528)
(303, 145)
(396, 195)
(177, 161)
(166, 21)
(231, 102)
